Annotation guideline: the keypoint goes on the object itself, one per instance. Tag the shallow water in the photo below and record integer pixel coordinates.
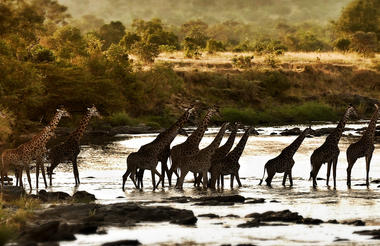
(101, 168)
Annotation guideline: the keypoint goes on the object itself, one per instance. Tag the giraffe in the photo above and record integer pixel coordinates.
(328, 152)
(147, 156)
(284, 162)
(222, 151)
(230, 163)
(191, 145)
(21, 157)
(363, 148)
(200, 162)
(70, 148)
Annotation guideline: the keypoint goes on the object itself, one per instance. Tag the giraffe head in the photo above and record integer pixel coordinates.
(376, 106)
(351, 112)
(93, 111)
(64, 113)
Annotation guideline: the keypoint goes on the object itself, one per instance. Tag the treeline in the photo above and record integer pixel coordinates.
(45, 62)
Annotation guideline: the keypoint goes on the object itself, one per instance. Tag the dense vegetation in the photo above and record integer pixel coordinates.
(48, 58)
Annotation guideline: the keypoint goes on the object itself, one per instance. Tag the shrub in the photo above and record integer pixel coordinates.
(39, 53)
(146, 50)
(275, 83)
(191, 48)
(364, 43)
(242, 61)
(342, 44)
(271, 60)
(214, 46)
(121, 119)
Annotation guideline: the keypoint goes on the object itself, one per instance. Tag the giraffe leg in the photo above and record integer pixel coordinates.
(218, 180)
(204, 175)
(238, 179)
(368, 163)
(284, 178)
(232, 177)
(75, 170)
(222, 181)
(125, 177)
(268, 180)
(181, 179)
(29, 179)
(37, 174)
(43, 173)
(159, 175)
(335, 162)
(349, 168)
(290, 178)
(132, 176)
(328, 172)
(164, 169)
(153, 179)
(140, 178)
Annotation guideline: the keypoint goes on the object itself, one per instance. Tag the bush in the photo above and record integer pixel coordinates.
(214, 46)
(39, 54)
(242, 61)
(121, 119)
(146, 50)
(275, 83)
(342, 44)
(271, 60)
(364, 43)
(191, 48)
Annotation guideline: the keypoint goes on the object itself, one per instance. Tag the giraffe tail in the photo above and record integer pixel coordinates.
(261, 180)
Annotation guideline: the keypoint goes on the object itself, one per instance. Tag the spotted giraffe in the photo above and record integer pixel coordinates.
(201, 161)
(35, 149)
(191, 145)
(70, 148)
(284, 162)
(222, 151)
(229, 165)
(147, 156)
(363, 148)
(328, 152)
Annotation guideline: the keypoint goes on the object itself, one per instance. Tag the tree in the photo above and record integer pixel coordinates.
(360, 15)
(196, 31)
(111, 33)
(364, 43)
(68, 42)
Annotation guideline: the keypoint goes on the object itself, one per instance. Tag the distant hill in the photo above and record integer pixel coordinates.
(177, 12)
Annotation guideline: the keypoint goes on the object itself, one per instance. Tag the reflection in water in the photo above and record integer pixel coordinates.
(101, 169)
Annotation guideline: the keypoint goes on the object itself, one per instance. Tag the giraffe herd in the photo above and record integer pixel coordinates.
(187, 156)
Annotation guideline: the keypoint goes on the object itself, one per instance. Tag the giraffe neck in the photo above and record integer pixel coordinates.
(195, 138)
(238, 150)
(223, 150)
(49, 130)
(166, 137)
(215, 143)
(293, 147)
(370, 131)
(335, 136)
(78, 133)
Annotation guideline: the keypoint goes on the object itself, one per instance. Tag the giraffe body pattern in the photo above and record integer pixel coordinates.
(70, 148)
(35, 149)
(229, 165)
(190, 146)
(147, 156)
(363, 148)
(201, 161)
(329, 151)
(284, 162)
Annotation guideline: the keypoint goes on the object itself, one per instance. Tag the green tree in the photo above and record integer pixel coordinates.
(68, 42)
(111, 33)
(196, 30)
(360, 15)
(364, 43)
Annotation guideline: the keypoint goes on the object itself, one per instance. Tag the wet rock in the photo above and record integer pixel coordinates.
(219, 200)
(232, 216)
(322, 131)
(211, 216)
(273, 133)
(90, 177)
(11, 193)
(275, 201)
(123, 243)
(376, 181)
(188, 220)
(83, 196)
(291, 132)
(245, 244)
(362, 184)
(179, 199)
(120, 197)
(321, 179)
(332, 222)
(46, 196)
(354, 222)
(50, 231)
(252, 223)
(374, 233)
(281, 216)
(340, 239)
(255, 200)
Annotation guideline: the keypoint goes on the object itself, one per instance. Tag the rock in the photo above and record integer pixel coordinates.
(90, 177)
(120, 197)
(281, 216)
(274, 201)
(291, 132)
(211, 216)
(311, 221)
(354, 222)
(179, 199)
(219, 200)
(322, 131)
(52, 196)
(321, 179)
(254, 200)
(189, 220)
(340, 239)
(273, 133)
(49, 231)
(11, 193)
(362, 184)
(374, 233)
(332, 222)
(250, 224)
(123, 243)
(376, 181)
(232, 216)
(83, 196)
